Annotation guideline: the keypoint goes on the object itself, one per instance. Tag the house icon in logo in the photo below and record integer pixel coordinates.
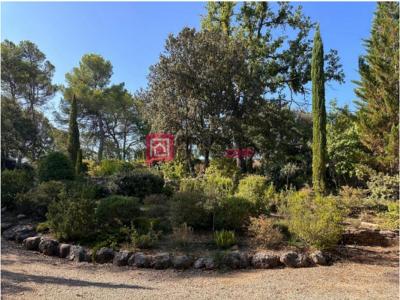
(160, 147)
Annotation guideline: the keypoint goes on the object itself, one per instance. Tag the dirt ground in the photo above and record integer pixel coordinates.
(367, 273)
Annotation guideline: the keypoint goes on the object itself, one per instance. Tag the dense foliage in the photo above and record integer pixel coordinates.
(56, 166)
(14, 182)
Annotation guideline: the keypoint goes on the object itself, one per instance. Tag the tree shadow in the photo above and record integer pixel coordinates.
(11, 282)
(365, 255)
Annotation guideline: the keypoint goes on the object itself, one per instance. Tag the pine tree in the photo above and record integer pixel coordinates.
(378, 90)
(73, 133)
(319, 115)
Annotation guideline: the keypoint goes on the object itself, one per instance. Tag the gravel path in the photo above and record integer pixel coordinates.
(30, 275)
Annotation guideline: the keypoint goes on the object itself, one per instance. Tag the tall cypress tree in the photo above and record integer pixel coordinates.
(378, 90)
(319, 115)
(73, 133)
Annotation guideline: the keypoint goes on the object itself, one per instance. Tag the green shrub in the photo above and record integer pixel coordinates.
(224, 239)
(137, 184)
(182, 235)
(217, 186)
(233, 213)
(145, 241)
(42, 227)
(56, 166)
(12, 183)
(109, 167)
(264, 232)
(225, 167)
(173, 170)
(255, 189)
(315, 220)
(353, 199)
(189, 208)
(195, 185)
(383, 187)
(37, 200)
(72, 219)
(116, 211)
(390, 219)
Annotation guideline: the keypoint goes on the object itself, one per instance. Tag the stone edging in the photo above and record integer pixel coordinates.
(230, 259)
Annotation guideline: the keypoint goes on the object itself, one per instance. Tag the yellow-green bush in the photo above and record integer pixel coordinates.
(173, 170)
(390, 219)
(217, 186)
(108, 167)
(255, 189)
(225, 167)
(233, 213)
(315, 220)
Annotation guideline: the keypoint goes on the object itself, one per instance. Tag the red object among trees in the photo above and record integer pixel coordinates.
(243, 152)
(159, 147)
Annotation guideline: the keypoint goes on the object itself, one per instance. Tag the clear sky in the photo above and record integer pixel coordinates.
(132, 35)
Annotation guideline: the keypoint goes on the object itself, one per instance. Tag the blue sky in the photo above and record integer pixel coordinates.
(132, 35)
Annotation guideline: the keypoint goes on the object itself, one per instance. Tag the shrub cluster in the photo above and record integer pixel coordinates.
(224, 239)
(137, 184)
(14, 182)
(56, 166)
(315, 220)
(265, 232)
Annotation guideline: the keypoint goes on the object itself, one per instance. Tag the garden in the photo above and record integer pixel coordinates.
(311, 183)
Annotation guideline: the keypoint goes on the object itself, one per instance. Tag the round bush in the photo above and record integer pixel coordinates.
(116, 211)
(233, 213)
(72, 219)
(189, 208)
(56, 166)
(137, 184)
(12, 183)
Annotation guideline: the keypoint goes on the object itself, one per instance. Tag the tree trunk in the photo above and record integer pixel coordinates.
(101, 141)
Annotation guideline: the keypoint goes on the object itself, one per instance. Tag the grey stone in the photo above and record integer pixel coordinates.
(104, 255)
(21, 216)
(19, 232)
(121, 258)
(32, 243)
(64, 250)
(263, 260)
(199, 263)
(295, 260)
(140, 260)
(209, 263)
(319, 258)
(48, 247)
(232, 260)
(161, 261)
(79, 254)
(182, 262)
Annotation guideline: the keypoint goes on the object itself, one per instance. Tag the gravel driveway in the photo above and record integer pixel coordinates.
(30, 275)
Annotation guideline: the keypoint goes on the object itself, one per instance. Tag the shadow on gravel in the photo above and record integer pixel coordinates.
(12, 278)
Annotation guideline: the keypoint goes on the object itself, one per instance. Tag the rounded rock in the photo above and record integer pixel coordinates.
(48, 247)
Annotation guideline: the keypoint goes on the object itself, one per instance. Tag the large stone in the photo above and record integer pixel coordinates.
(6, 225)
(32, 243)
(140, 260)
(199, 263)
(263, 260)
(319, 258)
(48, 247)
(209, 263)
(64, 250)
(234, 260)
(19, 233)
(79, 254)
(104, 255)
(182, 262)
(121, 258)
(161, 261)
(295, 260)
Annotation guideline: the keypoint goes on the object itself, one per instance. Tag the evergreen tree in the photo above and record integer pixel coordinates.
(78, 164)
(73, 133)
(378, 90)
(319, 115)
